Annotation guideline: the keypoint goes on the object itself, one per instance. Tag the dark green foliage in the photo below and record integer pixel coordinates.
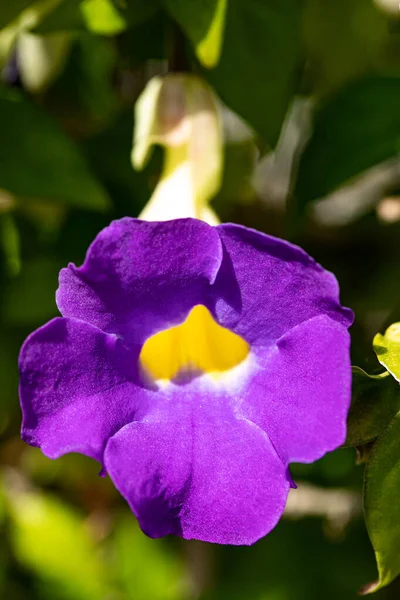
(65, 173)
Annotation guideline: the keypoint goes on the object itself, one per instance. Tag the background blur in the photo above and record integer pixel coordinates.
(71, 72)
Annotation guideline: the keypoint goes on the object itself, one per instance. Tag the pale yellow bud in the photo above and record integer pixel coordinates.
(180, 113)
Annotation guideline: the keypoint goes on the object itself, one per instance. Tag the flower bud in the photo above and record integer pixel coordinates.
(180, 113)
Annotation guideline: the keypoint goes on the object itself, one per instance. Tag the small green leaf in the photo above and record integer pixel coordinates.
(51, 540)
(256, 75)
(356, 129)
(38, 160)
(387, 349)
(204, 23)
(375, 401)
(382, 509)
(102, 17)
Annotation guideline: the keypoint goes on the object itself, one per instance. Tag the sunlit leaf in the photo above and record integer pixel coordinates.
(256, 75)
(37, 159)
(147, 568)
(102, 17)
(355, 130)
(203, 22)
(382, 509)
(387, 348)
(50, 539)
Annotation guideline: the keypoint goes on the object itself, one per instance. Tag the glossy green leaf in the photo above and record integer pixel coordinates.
(355, 130)
(256, 75)
(10, 9)
(51, 540)
(375, 401)
(37, 159)
(382, 509)
(204, 23)
(387, 349)
(147, 568)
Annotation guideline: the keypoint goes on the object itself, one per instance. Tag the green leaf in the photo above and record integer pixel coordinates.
(10, 9)
(109, 154)
(375, 401)
(65, 16)
(387, 349)
(29, 299)
(136, 12)
(37, 159)
(147, 568)
(102, 17)
(10, 344)
(355, 130)
(10, 243)
(382, 509)
(51, 540)
(203, 22)
(332, 59)
(256, 74)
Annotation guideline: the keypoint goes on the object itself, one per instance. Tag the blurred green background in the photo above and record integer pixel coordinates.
(319, 83)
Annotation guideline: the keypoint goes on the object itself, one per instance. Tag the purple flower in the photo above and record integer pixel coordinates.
(194, 363)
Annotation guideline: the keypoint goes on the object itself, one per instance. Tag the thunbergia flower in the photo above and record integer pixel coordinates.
(194, 362)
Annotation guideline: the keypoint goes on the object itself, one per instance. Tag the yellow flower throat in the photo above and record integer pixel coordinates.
(198, 345)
